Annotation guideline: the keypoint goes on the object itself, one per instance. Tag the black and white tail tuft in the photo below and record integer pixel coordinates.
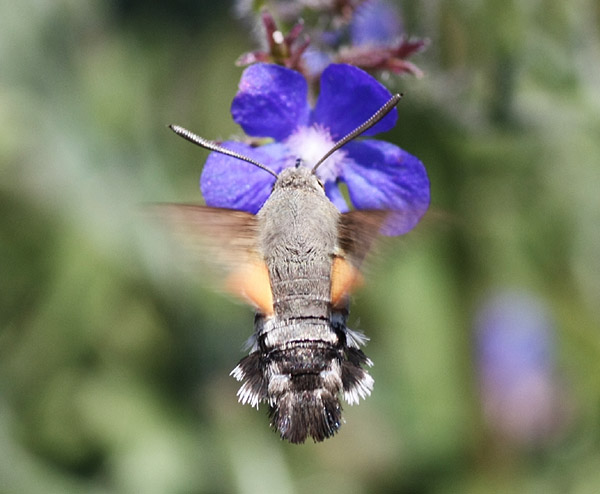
(302, 383)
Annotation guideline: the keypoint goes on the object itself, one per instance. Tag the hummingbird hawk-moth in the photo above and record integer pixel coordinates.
(295, 261)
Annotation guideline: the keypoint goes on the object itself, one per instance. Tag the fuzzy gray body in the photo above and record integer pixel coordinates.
(303, 356)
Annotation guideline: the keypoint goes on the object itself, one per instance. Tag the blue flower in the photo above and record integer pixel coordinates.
(516, 363)
(272, 102)
(375, 22)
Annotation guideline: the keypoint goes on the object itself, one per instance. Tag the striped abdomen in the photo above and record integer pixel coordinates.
(302, 358)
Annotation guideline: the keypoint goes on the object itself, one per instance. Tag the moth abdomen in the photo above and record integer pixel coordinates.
(313, 412)
(301, 367)
(304, 390)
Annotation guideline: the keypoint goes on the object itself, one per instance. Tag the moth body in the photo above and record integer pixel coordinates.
(295, 262)
(303, 356)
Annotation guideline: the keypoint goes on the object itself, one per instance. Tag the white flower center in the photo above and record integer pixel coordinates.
(310, 144)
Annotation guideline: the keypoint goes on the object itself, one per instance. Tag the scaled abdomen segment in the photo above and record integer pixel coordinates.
(300, 368)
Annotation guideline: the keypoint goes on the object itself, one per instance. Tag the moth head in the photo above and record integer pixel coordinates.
(299, 177)
(299, 173)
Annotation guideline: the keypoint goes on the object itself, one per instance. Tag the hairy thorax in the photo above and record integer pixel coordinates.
(298, 241)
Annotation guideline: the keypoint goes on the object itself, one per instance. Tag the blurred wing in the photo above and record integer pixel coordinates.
(357, 232)
(224, 242)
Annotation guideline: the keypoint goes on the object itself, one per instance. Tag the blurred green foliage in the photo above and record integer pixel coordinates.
(114, 359)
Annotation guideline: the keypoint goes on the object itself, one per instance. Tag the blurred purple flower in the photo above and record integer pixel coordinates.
(516, 363)
(272, 102)
(375, 22)
(378, 41)
(368, 34)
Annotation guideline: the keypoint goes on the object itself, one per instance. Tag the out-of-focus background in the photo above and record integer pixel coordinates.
(484, 321)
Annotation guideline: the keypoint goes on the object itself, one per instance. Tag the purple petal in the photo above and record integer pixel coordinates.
(228, 182)
(380, 175)
(335, 196)
(375, 23)
(271, 101)
(349, 97)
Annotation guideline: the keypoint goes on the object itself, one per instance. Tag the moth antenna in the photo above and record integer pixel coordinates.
(213, 146)
(376, 117)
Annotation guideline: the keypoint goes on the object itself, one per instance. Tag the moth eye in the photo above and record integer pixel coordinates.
(320, 183)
